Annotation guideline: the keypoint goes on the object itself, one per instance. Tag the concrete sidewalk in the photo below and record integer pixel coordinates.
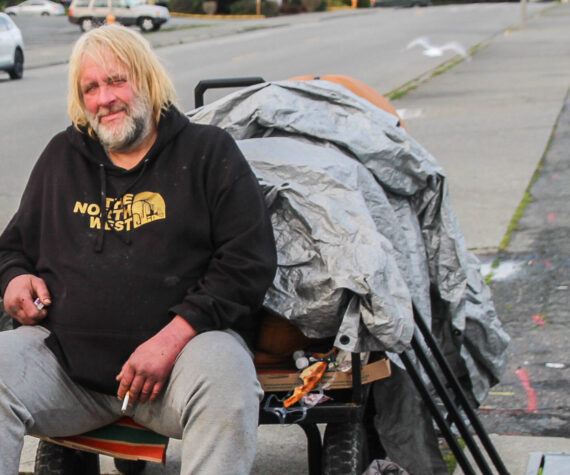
(484, 115)
(469, 118)
(518, 451)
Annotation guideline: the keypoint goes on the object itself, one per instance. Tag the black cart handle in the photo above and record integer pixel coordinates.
(206, 84)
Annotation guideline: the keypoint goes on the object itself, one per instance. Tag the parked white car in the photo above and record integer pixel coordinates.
(11, 48)
(90, 13)
(36, 7)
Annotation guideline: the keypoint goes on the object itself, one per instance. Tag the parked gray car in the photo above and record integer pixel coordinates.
(36, 7)
(90, 13)
(11, 48)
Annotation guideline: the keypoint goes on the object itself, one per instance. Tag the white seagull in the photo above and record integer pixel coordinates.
(434, 51)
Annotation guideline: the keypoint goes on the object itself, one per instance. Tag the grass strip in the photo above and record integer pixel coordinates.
(442, 68)
(527, 197)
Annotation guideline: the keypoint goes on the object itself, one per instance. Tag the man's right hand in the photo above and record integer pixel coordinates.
(20, 295)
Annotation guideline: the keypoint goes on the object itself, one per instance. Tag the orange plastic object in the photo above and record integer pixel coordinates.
(278, 339)
(310, 377)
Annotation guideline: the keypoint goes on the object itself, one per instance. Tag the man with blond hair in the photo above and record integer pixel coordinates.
(135, 264)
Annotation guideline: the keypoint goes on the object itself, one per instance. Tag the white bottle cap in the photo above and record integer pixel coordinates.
(302, 363)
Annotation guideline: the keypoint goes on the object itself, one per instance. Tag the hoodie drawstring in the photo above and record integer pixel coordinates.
(103, 207)
(99, 243)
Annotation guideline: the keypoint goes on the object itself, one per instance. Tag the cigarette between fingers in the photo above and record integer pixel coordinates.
(125, 402)
(38, 303)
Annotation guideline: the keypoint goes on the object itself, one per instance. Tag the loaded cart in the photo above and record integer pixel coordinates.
(373, 274)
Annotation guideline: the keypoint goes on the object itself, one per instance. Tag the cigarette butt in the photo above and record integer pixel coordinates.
(38, 303)
(125, 402)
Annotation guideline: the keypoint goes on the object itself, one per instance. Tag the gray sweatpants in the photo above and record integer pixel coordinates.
(211, 401)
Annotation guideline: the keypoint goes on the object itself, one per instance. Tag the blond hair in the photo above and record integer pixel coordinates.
(142, 67)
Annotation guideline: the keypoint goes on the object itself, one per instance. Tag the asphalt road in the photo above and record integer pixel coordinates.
(48, 31)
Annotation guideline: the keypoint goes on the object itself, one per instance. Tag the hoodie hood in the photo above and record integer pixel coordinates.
(171, 123)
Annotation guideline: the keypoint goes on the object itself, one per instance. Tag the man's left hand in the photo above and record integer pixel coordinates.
(146, 371)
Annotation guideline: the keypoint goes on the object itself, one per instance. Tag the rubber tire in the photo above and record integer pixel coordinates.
(53, 459)
(87, 24)
(17, 71)
(146, 24)
(130, 467)
(345, 449)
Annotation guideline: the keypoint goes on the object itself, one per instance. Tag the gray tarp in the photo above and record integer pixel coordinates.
(363, 222)
(330, 250)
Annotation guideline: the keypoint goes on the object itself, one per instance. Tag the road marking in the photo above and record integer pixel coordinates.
(537, 318)
(555, 365)
(245, 57)
(530, 394)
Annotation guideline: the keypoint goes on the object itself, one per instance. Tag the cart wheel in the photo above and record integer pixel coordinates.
(130, 467)
(345, 449)
(53, 459)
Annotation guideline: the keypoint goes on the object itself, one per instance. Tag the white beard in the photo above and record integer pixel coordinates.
(135, 126)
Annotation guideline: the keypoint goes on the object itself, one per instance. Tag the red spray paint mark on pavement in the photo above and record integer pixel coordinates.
(548, 264)
(530, 394)
(551, 217)
(538, 320)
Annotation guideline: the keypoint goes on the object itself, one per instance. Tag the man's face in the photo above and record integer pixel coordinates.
(119, 116)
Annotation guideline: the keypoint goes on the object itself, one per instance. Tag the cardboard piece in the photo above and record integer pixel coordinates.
(274, 380)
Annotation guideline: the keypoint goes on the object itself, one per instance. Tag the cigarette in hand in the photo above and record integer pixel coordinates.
(38, 303)
(125, 402)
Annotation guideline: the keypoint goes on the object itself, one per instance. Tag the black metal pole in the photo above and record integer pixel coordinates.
(453, 412)
(356, 379)
(314, 448)
(460, 394)
(436, 414)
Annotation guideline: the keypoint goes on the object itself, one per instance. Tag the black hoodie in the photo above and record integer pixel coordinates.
(186, 232)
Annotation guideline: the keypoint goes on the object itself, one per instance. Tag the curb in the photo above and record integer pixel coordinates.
(217, 17)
